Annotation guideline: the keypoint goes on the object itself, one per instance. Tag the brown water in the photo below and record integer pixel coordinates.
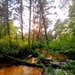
(57, 56)
(20, 70)
(26, 70)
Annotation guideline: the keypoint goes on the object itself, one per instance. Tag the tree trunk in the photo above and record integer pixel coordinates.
(7, 21)
(43, 20)
(21, 8)
(29, 24)
(45, 28)
(25, 62)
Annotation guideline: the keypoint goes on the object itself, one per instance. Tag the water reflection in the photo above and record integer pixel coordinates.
(57, 56)
(26, 70)
(20, 70)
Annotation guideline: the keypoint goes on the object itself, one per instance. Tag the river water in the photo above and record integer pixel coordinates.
(5, 69)
(20, 70)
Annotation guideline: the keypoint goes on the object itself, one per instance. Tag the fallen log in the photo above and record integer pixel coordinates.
(24, 62)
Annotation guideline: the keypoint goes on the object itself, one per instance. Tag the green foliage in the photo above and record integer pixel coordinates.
(72, 12)
(60, 73)
(5, 46)
(3, 29)
(37, 44)
(12, 29)
(65, 43)
(69, 67)
(1, 56)
(4, 43)
(12, 48)
(70, 53)
(49, 71)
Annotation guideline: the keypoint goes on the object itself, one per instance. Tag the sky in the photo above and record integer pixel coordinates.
(61, 14)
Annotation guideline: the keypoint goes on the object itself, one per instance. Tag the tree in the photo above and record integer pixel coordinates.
(33, 32)
(21, 10)
(3, 28)
(72, 12)
(30, 1)
(64, 3)
(59, 27)
(43, 8)
(40, 20)
(6, 15)
(71, 25)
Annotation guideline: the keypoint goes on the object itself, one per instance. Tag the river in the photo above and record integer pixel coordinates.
(20, 70)
(5, 69)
